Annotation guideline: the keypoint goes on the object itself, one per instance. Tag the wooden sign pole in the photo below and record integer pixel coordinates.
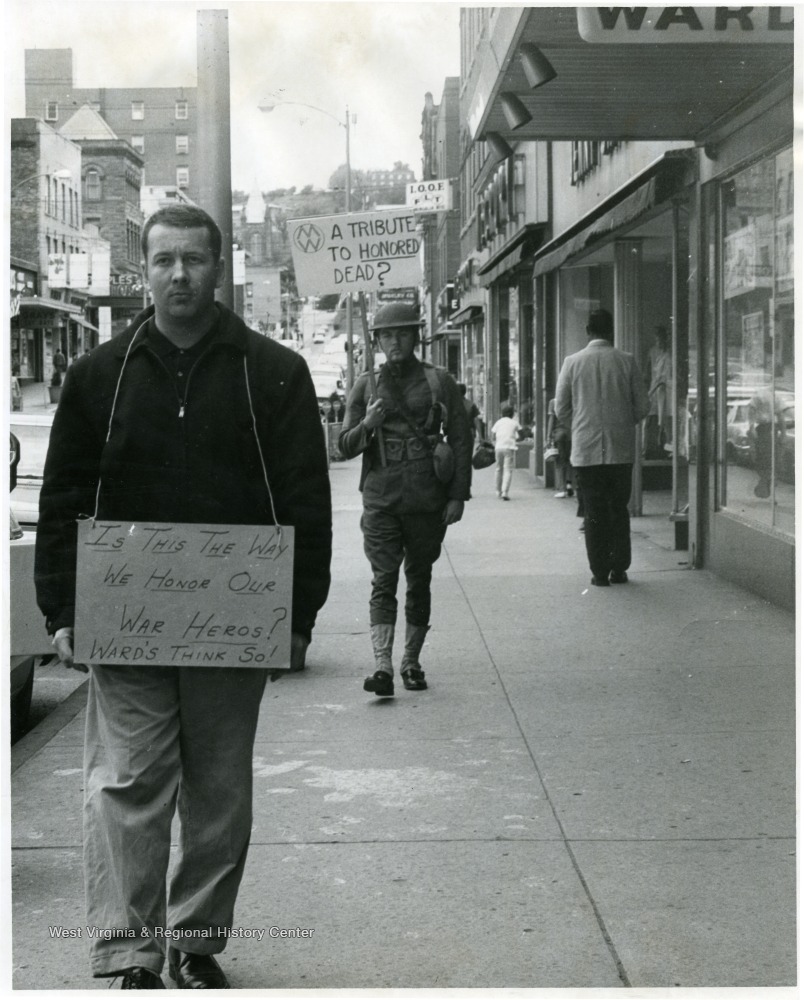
(370, 370)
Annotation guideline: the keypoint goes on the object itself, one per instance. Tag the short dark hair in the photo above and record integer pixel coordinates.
(507, 410)
(462, 387)
(601, 324)
(183, 217)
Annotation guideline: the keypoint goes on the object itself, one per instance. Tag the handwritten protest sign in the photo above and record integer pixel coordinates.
(184, 594)
(360, 252)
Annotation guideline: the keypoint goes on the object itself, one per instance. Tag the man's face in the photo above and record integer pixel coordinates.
(397, 342)
(182, 272)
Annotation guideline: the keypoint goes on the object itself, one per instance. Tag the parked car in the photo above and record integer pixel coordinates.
(320, 335)
(29, 641)
(32, 430)
(738, 447)
(328, 370)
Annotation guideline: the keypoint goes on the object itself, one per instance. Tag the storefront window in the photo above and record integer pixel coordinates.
(473, 359)
(759, 441)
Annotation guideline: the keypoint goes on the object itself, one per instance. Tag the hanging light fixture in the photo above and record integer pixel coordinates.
(499, 148)
(516, 114)
(538, 68)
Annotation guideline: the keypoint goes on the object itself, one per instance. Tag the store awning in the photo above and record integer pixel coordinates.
(659, 181)
(520, 246)
(87, 326)
(466, 314)
(49, 305)
(631, 73)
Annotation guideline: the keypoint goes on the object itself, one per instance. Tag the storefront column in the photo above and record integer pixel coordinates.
(627, 305)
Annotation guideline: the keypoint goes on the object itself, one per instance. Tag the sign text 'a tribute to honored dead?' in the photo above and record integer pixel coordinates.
(214, 595)
(363, 252)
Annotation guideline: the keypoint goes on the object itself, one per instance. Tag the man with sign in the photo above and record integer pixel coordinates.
(187, 418)
(409, 498)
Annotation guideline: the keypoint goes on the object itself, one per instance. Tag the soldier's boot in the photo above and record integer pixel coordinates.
(411, 669)
(381, 681)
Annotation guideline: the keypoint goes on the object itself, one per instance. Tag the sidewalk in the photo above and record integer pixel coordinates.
(598, 790)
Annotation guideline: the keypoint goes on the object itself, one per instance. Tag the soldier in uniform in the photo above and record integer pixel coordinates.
(406, 507)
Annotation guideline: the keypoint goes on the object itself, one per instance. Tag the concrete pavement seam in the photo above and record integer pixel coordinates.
(38, 737)
(621, 972)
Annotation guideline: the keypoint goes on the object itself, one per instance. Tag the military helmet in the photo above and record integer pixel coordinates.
(394, 314)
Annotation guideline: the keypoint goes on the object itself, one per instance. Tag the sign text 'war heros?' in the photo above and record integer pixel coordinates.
(363, 252)
(215, 595)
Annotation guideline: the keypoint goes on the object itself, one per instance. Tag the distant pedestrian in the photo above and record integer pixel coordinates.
(336, 410)
(407, 507)
(59, 361)
(472, 412)
(504, 434)
(601, 397)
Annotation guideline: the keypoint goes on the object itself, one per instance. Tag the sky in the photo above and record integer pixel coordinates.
(379, 59)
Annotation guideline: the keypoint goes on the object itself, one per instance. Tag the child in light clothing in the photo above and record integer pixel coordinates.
(504, 434)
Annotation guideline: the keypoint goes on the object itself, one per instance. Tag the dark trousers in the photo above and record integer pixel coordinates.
(606, 490)
(388, 539)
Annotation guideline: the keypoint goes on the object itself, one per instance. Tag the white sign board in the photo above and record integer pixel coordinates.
(652, 25)
(360, 252)
(196, 595)
(429, 196)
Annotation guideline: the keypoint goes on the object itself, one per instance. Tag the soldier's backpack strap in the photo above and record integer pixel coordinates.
(437, 391)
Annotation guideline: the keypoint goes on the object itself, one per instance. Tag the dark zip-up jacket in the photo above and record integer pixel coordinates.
(188, 458)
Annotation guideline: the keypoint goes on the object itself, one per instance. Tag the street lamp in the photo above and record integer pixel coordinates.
(268, 105)
(61, 175)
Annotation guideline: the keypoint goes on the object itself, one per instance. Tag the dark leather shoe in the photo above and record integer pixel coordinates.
(618, 576)
(141, 979)
(196, 972)
(599, 581)
(381, 683)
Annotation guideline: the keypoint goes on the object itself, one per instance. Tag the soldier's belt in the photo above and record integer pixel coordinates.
(406, 449)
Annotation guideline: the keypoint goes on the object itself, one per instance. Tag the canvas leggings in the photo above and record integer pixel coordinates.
(158, 739)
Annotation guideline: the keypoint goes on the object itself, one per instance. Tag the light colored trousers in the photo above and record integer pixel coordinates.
(505, 468)
(157, 738)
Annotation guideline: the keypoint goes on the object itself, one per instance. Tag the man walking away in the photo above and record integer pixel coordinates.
(601, 396)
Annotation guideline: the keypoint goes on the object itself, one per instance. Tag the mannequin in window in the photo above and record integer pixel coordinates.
(661, 386)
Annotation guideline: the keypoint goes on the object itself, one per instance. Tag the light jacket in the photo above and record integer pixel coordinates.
(192, 459)
(601, 397)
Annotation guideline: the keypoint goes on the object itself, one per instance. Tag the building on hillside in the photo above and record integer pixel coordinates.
(440, 160)
(156, 196)
(50, 251)
(111, 171)
(159, 122)
(375, 187)
(674, 214)
(258, 229)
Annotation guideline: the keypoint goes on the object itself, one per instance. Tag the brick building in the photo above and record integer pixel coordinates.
(45, 224)
(159, 122)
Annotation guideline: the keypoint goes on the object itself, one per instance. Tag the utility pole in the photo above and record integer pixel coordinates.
(214, 133)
